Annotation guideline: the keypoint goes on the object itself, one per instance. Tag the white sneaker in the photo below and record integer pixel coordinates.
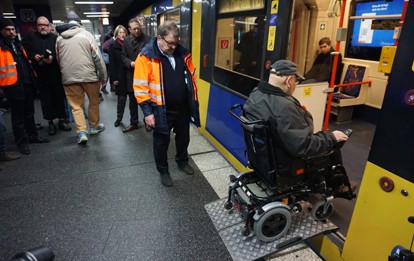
(82, 138)
(93, 130)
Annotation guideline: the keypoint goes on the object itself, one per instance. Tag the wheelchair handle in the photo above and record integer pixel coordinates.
(243, 119)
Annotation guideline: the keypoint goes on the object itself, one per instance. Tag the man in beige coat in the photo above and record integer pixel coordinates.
(83, 71)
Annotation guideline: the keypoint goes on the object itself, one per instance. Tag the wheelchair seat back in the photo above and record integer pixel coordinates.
(275, 168)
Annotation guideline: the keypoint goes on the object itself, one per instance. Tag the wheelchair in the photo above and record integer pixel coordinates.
(273, 191)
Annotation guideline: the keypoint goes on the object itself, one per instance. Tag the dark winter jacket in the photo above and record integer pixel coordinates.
(291, 124)
(322, 68)
(130, 53)
(117, 71)
(36, 43)
(149, 85)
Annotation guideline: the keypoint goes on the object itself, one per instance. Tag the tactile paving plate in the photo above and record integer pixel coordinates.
(230, 224)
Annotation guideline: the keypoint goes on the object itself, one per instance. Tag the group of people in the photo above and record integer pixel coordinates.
(155, 73)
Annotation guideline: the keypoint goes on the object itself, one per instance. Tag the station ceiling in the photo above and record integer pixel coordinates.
(59, 8)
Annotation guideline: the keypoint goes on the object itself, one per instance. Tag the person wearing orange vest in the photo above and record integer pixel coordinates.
(16, 81)
(165, 88)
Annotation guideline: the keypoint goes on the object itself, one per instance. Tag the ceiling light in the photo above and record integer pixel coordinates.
(91, 3)
(85, 21)
(57, 21)
(8, 13)
(95, 13)
(105, 21)
(10, 16)
(104, 15)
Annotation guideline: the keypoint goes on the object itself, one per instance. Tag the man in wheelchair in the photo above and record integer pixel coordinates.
(291, 127)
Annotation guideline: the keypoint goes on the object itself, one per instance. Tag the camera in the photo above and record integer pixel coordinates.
(47, 54)
(41, 253)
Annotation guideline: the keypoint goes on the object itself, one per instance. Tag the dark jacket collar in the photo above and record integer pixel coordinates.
(265, 87)
(271, 89)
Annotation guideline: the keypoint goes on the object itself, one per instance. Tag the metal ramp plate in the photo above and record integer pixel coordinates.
(230, 224)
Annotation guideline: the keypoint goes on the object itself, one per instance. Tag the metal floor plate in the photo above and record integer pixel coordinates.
(230, 224)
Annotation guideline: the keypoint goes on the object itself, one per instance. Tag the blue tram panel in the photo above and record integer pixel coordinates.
(394, 140)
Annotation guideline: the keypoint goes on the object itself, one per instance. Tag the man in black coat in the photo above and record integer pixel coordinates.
(322, 66)
(40, 47)
(133, 45)
(17, 83)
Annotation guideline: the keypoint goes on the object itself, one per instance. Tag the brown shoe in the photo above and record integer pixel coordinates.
(345, 189)
(130, 128)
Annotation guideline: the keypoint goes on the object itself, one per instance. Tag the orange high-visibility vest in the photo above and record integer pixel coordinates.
(8, 69)
(148, 79)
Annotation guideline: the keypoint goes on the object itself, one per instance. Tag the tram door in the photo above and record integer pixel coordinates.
(386, 197)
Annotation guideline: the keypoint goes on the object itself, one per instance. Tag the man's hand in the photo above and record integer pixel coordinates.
(132, 64)
(116, 83)
(103, 82)
(48, 60)
(150, 120)
(38, 57)
(340, 136)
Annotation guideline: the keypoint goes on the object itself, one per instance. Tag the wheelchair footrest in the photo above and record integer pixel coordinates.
(229, 225)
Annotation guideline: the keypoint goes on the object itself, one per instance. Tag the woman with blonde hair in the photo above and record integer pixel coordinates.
(118, 73)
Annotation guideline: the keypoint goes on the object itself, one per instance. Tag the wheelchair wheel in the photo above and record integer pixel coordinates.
(273, 224)
(321, 210)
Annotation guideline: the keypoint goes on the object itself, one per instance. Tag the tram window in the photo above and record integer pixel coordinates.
(239, 52)
(181, 17)
(150, 27)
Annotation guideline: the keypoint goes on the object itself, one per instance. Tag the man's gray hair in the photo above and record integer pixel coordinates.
(168, 27)
(135, 20)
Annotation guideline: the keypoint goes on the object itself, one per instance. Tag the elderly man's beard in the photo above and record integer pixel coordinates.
(44, 33)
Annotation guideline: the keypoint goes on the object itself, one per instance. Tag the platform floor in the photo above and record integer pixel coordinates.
(104, 201)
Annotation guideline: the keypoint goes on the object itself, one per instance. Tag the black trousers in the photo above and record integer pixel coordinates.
(133, 108)
(120, 107)
(52, 100)
(178, 120)
(22, 112)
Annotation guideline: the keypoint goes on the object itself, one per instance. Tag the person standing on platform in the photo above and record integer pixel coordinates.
(17, 83)
(165, 88)
(40, 47)
(118, 72)
(133, 45)
(83, 71)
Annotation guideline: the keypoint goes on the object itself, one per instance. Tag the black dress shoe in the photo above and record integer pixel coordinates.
(52, 129)
(24, 149)
(117, 123)
(64, 126)
(130, 128)
(38, 140)
(187, 169)
(39, 126)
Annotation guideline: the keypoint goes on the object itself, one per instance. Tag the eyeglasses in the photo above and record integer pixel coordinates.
(43, 25)
(296, 78)
(170, 43)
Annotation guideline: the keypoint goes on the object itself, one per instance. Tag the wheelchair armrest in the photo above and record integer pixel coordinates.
(319, 156)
